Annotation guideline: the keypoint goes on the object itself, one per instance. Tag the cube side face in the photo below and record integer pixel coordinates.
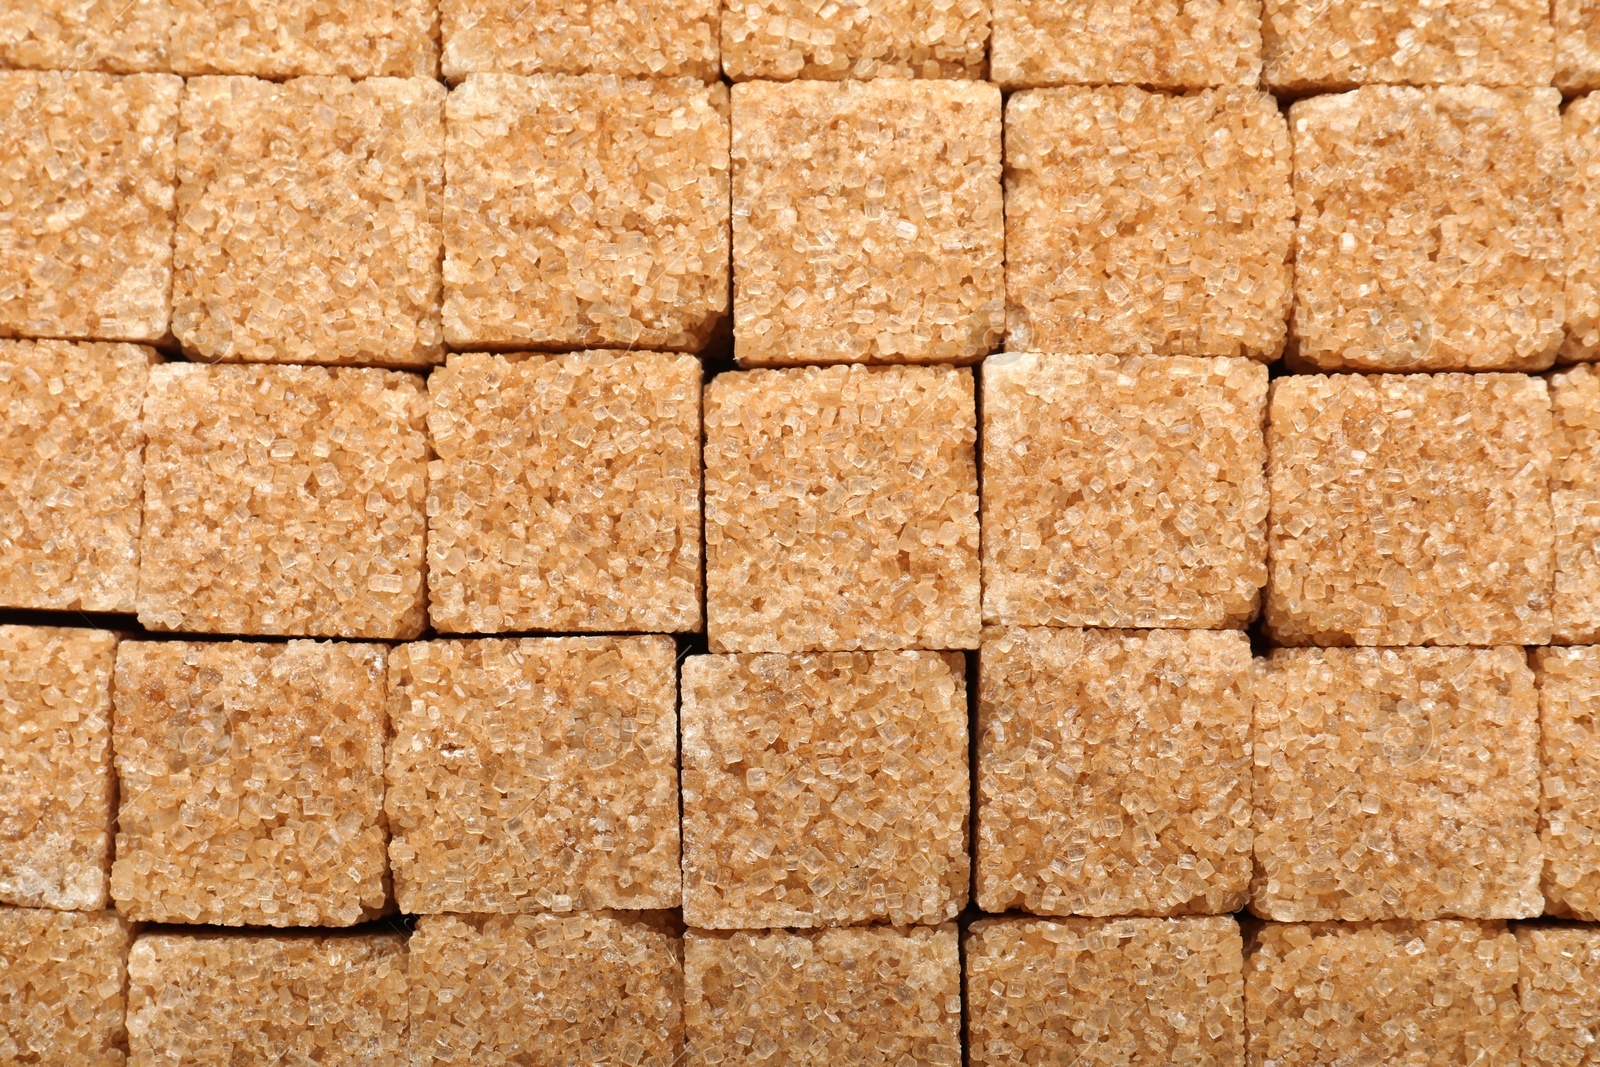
(797, 459)
(337, 1000)
(1577, 24)
(534, 775)
(1558, 986)
(631, 38)
(1441, 992)
(784, 39)
(607, 989)
(62, 977)
(284, 500)
(1569, 717)
(294, 38)
(1580, 215)
(1105, 785)
(852, 244)
(521, 262)
(251, 783)
(71, 491)
(1143, 222)
(109, 36)
(1175, 988)
(310, 221)
(1460, 549)
(855, 767)
(1365, 754)
(1095, 42)
(86, 244)
(1376, 296)
(57, 785)
(819, 997)
(1575, 500)
(1123, 492)
(566, 495)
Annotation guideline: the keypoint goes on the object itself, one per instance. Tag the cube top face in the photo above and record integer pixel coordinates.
(566, 495)
(854, 765)
(1095, 42)
(284, 500)
(1365, 754)
(62, 975)
(819, 998)
(1123, 492)
(841, 510)
(534, 775)
(71, 474)
(57, 787)
(868, 224)
(251, 783)
(1575, 502)
(291, 38)
(1143, 222)
(783, 39)
(1393, 270)
(112, 36)
(337, 1000)
(1569, 717)
(1559, 986)
(1430, 993)
(309, 221)
(631, 38)
(1174, 988)
(1114, 772)
(1409, 510)
(545, 989)
(1577, 24)
(1330, 47)
(86, 240)
(1580, 214)
(585, 212)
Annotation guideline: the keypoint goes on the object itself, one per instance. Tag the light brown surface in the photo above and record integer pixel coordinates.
(533, 775)
(633, 38)
(290, 38)
(841, 509)
(1396, 783)
(782, 39)
(1569, 719)
(251, 780)
(566, 495)
(1429, 229)
(1409, 510)
(1559, 989)
(824, 789)
(1577, 24)
(115, 36)
(1575, 502)
(62, 976)
(1143, 222)
(868, 222)
(1580, 217)
(284, 500)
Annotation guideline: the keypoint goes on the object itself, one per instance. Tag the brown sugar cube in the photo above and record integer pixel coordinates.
(1395, 268)
(309, 221)
(841, 510)
(1575, 501)
(113, 36)
(62, 975)
(1569, 719)
(545, 989)
(566, 495)
(782, 39)
(631, 38)
(534, 774)
(284, 500)
(1139, 992)
(1396, 783)
(1429, 994)
(291, 38)
(862, 994)
(1312, 46)
(1409, 510)
(1580, 217)
(1143, 222)
(1559, 989)
(86, 204)
(1126, 42)
(868, 223)
(1123, 492)
(57, 786)
(1114, 772)
(824, 789)
(71, 474)
(336, 1000)
(582, 212)
(251, 782)
(1577, 25)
